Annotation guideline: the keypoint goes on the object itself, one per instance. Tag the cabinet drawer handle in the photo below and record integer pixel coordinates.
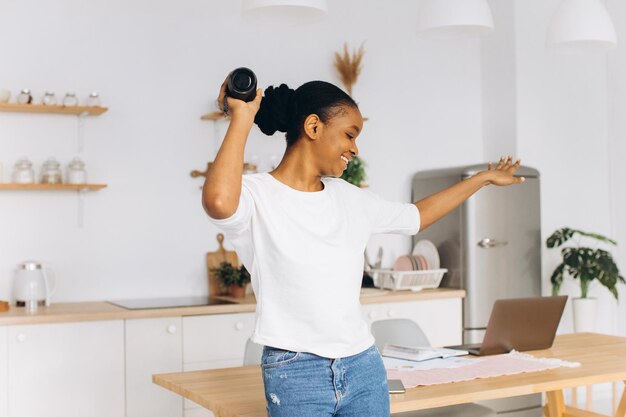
(21, 337)
(239, 325)
(171, 329)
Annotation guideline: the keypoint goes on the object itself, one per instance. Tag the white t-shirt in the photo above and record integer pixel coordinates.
(304, 251)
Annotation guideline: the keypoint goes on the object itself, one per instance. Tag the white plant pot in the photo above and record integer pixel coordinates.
(584, 314)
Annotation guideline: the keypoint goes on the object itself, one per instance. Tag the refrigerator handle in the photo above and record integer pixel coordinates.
(488, 243)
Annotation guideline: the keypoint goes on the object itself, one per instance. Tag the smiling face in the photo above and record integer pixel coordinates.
(336, 141)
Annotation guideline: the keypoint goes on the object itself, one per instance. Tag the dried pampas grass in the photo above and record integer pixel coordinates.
(349, 66)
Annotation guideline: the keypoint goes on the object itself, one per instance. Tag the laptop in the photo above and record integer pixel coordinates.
(520, 324)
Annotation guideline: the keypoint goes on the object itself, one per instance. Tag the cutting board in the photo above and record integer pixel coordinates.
(213, 260)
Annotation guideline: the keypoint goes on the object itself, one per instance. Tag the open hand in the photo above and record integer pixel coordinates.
(504, 171)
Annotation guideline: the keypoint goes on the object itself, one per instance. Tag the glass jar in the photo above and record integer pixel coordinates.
(93, 100)
(23, 172)
(76, 173)
(51, 172)
(5, 95)
(24, 97)
(49, 99)
(70, 100)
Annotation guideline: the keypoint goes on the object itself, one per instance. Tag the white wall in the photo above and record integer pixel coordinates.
(499, 83)
(562, 129)
(617, 148)
(560, 114)
(158, 66)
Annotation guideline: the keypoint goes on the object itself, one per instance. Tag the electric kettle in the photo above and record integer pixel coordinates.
(32, 284)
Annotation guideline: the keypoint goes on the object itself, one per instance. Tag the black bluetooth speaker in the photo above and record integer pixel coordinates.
(241, 84)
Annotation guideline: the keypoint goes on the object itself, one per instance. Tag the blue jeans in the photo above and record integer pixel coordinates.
(300, 384)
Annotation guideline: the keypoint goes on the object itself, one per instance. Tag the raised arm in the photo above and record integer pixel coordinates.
(437, 205)
(222, 187)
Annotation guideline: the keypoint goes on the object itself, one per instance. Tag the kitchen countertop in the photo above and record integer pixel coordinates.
(101, 310)
(376, 296)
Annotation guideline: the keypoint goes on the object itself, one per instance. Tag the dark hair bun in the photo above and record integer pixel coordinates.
(276, 109)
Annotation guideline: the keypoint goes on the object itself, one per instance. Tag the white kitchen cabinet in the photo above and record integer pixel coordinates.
(440, 319)
(66, 369)
(153, 346)
(105, 368)
(214, 341)
(216, 338)
(3, 372)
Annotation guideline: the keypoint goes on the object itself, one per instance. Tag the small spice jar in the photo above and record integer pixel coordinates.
(5, 95)
(51, 172)
(23, 172)
(76, 173)
(93, 100)
(49, 99)
(70, 100)
(24, 97)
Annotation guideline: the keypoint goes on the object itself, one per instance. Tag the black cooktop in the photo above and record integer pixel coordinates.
(169, 302)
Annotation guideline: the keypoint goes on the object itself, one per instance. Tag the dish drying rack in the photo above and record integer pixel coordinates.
(407, 280)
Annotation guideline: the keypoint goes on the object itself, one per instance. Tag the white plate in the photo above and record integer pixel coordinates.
(428, 250)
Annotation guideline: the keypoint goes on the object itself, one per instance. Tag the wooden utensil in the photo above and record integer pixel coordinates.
(213, 260)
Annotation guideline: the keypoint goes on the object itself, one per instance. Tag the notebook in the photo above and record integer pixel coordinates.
(521, 324)
(419, 353)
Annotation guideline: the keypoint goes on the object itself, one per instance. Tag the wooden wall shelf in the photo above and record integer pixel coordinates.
(53, 187)
(41, 108)
(216, 115)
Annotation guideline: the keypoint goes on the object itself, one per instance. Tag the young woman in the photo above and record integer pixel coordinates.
(302, 233)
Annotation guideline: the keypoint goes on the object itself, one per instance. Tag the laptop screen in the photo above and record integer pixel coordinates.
(523, 324)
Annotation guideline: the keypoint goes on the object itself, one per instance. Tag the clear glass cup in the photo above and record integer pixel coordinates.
(70, 100)
(5, 95)
(76, 173)
(49, 99)
(24, 97)
(93, 100)
(23, 172)
(51, 172)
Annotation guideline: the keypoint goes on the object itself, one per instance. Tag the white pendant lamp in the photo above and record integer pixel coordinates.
(454, 18)
(581, 26)
(285, 11)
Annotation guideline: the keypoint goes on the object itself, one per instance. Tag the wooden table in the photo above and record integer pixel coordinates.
(238, 392)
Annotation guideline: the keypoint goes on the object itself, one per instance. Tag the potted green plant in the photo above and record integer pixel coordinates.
(355, 172)
(585, 264)
(232, 279)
